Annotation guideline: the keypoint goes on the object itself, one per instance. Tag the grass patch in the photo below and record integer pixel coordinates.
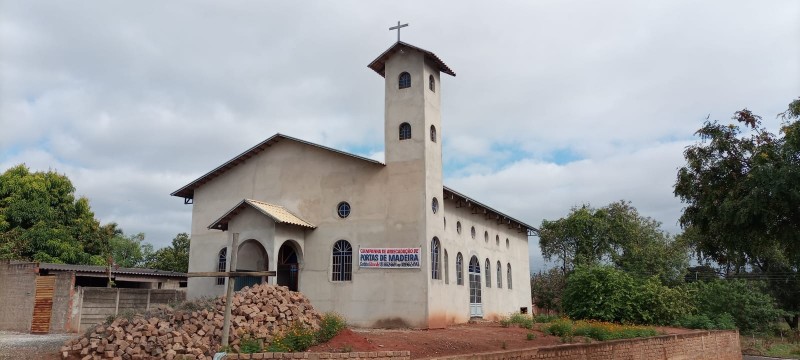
(597, 330)
(330, 326)
(521, 320)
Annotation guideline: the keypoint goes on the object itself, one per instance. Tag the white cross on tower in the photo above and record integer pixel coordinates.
(398, 29)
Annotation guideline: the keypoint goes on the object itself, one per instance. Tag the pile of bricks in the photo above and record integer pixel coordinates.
(260, 312)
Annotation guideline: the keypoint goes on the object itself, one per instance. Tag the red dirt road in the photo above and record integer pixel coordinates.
(459, 339)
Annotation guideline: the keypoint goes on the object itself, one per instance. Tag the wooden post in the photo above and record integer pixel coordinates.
(226, 322)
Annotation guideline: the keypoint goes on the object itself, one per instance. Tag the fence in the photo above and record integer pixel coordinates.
(95, 305)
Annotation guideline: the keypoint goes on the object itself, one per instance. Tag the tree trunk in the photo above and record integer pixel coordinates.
(792, 320)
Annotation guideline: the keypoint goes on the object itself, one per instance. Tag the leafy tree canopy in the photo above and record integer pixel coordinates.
(615, 234)
(172, 258)
(741, 187)
(42, 220)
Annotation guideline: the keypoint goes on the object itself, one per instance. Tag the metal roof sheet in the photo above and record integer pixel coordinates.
(277, 213)
(102, 269)
(379, 64)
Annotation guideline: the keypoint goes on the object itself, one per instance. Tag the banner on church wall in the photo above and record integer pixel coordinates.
(389, 258)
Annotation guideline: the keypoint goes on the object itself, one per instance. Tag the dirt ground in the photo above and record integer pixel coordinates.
(27, 346)
(459, 339)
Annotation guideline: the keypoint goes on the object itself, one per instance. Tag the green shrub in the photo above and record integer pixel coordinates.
(330, 326)
(249, 345)
(755, 309)
(531, 336)
(608, 294)
(298, 338)
(545, 318)
(723, 321)
(561, 327)
(521, 320)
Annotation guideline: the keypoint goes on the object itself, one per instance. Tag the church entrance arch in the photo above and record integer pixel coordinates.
(251, 257)
(475, 304)
(289, 257)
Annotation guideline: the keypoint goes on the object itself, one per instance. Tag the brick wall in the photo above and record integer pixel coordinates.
(700, 345)
(17, 290)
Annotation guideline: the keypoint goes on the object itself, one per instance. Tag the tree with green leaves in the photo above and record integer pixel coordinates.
(172, 258)
(547, 289)
(615, 234)
(741, 187)
(130, 251)
(42, 220)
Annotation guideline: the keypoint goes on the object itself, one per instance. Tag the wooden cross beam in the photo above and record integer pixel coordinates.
(231, 275)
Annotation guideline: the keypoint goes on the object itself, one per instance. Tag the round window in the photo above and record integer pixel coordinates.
(435, 205)
(343, 209)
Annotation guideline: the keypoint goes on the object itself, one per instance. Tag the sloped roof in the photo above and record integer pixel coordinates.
(379, 64)
(102, 269)
(187, 191)
(277, 213)
(479, 207)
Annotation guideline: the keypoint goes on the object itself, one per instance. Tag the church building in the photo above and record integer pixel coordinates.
(383, 244)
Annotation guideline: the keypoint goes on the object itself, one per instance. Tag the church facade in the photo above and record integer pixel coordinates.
(383, 244)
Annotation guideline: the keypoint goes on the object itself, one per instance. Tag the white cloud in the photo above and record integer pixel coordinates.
(133, 102)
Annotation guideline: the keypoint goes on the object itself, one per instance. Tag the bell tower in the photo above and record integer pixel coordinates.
(413, 150)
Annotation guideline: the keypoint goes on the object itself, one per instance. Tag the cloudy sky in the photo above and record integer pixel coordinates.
(556, 103)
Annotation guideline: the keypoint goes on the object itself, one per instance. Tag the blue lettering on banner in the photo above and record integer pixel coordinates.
(389, 258)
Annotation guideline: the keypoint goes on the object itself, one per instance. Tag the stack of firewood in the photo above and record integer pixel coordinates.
(260, 312)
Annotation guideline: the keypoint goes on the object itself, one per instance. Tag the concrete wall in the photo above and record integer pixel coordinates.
(18, 284)
(452, 300)
(62, 302)
(310, 182)
(95, 305)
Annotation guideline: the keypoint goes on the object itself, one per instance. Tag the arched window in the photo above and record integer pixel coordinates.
(472, 232)
(497, 240)
(508, 275)
(446, 268)
(404, 80)
(444, 220)
(431, 83)
(486, 237)
(433, 133)
(488, 273)
(458, 227)
(222, 261)
(342, 261)
(508, 244)
(435, 205)
(435, 266)
(499, 275)
(459, 269)
(405, 131)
